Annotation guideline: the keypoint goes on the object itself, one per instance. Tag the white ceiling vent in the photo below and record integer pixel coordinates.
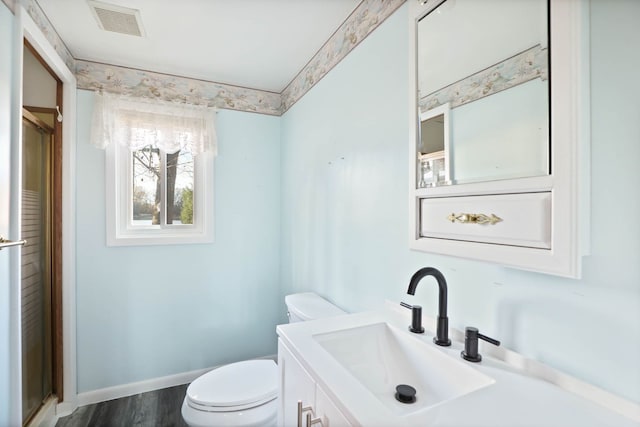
(118, 19)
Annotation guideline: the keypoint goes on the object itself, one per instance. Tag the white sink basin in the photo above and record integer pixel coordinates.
(381, 356)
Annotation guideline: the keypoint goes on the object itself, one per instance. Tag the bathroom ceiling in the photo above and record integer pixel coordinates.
(260, 44)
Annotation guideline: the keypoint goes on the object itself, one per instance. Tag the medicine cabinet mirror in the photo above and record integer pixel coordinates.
(499, 134)
(488, 63)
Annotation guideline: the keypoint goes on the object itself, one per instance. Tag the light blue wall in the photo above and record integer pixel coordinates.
(146, 312)
(6, 65)
(345, 211)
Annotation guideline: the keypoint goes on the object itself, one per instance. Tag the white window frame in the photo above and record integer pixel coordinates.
(119, 204)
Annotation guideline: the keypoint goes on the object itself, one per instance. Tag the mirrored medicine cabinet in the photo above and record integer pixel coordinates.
(499, 135)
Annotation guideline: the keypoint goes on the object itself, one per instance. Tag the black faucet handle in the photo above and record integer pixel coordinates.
(471, 336)
(416, 318)
(488, 339)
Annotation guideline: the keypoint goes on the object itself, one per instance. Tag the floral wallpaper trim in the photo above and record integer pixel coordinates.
(146, 84)
(365, 18)
(43, 23)
(11, 4)
(521, 68)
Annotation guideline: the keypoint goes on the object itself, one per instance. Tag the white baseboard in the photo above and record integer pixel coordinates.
(65, 408)
(124, 390)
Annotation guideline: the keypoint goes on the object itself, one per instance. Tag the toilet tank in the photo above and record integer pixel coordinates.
(308, 306)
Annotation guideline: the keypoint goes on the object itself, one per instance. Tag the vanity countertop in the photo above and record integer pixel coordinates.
(517, 397)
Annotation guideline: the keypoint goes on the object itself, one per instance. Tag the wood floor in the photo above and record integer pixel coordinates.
(159, 408)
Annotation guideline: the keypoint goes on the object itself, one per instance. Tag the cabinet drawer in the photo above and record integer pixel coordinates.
(504, 219)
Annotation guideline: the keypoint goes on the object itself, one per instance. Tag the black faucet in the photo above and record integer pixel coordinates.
(442, 325)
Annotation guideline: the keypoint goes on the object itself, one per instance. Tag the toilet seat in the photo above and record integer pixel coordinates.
(235, 387)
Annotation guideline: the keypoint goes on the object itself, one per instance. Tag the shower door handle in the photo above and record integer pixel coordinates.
(9, 243)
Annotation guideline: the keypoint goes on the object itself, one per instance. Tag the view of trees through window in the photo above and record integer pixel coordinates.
(147, 194)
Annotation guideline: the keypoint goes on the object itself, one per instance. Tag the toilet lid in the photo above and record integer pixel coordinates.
(236, 384)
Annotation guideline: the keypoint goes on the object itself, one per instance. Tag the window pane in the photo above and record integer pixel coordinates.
(180, 167)
(146, 186)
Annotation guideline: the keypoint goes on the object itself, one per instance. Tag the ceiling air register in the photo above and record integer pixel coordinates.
(117, 19)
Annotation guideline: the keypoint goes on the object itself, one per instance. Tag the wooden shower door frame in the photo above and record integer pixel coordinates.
(56, 231)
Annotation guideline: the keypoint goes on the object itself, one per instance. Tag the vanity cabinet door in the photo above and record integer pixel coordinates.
(295, 385)
(327, 411)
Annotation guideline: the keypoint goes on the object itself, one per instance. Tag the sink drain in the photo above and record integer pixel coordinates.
(405, 393)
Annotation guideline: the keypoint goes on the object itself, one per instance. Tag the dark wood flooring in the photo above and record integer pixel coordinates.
(158, 408)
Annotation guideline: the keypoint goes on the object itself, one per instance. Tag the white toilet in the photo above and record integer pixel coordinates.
(243, 394)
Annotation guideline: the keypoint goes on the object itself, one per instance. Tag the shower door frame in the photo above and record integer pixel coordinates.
(56, 232)
(56, 229)
(51, 200)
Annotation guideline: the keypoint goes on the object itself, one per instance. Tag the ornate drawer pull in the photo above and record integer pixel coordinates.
(468, 218)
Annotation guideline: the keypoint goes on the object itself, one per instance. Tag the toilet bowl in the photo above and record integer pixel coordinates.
(244, 394)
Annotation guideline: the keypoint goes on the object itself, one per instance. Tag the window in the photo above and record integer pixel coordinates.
(162, 187)
(159, 172)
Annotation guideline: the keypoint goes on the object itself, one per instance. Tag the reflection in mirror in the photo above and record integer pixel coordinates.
(487, 62)
(433, 149)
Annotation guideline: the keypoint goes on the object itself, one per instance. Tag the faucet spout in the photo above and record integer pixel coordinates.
(442, 326)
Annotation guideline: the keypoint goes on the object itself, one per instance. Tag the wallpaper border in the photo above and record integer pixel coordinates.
(42, 22)
(365, 18)
(11, 5)
(148, 84)
(521, 68)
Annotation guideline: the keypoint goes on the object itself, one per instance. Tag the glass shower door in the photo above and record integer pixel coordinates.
(36, 267)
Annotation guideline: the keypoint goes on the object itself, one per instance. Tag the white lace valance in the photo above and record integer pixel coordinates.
(136, 123)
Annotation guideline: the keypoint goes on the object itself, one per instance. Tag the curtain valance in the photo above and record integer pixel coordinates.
(136, 123)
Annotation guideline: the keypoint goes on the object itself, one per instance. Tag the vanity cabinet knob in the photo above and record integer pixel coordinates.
(471, 336)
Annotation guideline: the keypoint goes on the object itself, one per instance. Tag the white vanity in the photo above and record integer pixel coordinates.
(343, 371)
